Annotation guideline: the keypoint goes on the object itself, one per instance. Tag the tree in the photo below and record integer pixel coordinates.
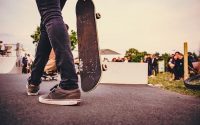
(165, 57)
(131, 52)
(36, 36)
(134, 55)
(72, 36)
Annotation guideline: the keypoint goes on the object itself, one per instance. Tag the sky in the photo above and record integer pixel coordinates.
(147, 25)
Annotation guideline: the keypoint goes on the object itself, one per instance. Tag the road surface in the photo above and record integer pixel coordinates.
(107, 105)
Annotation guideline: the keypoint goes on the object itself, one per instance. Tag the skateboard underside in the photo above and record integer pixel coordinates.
(89, 59)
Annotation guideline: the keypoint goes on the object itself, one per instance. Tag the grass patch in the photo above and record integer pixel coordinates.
(164, 80)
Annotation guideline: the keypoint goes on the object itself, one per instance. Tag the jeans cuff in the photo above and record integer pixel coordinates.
(34, 82)
(69, 86)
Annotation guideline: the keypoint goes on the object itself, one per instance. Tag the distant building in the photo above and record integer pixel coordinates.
(109, 54)
(104, 53)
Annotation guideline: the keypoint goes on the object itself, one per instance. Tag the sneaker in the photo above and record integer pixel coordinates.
(59, 96)
(32, 90)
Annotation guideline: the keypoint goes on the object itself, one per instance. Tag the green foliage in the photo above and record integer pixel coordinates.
(72, 36)
(164, 80)
(157, 54)
(132, 52)
(36, 35)
(165, 57)
(134, 55)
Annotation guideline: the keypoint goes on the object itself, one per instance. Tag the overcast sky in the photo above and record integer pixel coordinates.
(147, 25)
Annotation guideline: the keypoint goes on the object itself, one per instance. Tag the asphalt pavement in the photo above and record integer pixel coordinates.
(108, 104)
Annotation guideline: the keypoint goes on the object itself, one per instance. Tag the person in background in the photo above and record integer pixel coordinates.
(178, 67)
(114, 60)
(119, 59)
(29, 64)
(149, 62)
(170, 64)
(126, 60)
(155, 64)
(191, 59)
(24, 64)
(2, 49)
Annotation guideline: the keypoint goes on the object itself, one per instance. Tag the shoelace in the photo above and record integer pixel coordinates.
(53, 88)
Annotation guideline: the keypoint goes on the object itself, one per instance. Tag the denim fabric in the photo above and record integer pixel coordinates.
(54, 35)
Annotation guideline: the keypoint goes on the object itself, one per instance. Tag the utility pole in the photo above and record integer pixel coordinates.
(186, 75)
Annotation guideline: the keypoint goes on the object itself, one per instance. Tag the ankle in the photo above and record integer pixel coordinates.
(32, 84)
(68, 87)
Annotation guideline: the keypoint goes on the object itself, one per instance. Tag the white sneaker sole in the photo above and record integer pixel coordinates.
(67, 102)
(32, 94)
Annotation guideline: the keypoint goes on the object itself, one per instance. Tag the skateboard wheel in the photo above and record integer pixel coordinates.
(98, 15)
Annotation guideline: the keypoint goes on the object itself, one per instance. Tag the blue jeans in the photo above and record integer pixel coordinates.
(54, 35)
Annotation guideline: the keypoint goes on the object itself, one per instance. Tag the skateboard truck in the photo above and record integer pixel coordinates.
(80, 65)
(98, 15)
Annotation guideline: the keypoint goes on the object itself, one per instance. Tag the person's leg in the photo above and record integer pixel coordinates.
(42, 54)
(176, 74)
(62, 3)
(50, 12)
(41, 57)
(67, 93)
(150, 70)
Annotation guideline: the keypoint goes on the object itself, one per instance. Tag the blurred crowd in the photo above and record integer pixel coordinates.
(176, 64)
(25, 62)
(120, 59)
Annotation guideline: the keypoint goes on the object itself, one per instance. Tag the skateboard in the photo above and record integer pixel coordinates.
(49, 77)
(89, 58)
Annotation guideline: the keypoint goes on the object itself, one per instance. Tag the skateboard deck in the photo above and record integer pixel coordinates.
(89, 58)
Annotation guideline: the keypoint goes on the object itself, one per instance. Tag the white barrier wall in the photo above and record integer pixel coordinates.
(125, 73)
(7, 64)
